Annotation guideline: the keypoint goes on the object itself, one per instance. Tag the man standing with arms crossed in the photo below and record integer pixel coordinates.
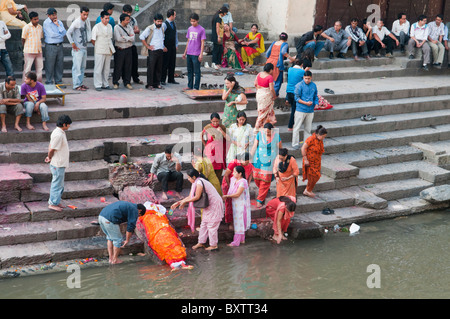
(58, 157)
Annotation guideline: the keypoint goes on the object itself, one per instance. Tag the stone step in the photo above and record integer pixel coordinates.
(38, 210)
(97, 169)
(72, 189)
(398, 189)
(382, 156)
(356, 214)
(56, 229)
(334, 145)
(60, 250)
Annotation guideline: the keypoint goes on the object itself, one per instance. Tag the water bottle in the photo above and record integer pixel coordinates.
(136, 8)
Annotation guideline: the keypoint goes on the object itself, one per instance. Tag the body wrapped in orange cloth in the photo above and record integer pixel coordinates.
(155, 230)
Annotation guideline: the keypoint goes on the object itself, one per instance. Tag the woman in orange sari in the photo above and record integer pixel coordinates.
(276, 54)
(312, 151)
(286, 173)
(281, 210)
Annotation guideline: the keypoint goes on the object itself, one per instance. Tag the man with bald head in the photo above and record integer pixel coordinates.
(337, 39)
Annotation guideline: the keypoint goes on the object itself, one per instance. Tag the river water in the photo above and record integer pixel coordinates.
(406, 257)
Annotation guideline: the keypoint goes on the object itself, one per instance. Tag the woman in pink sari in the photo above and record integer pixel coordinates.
(244, 161)
(240, 195)
(211, 216)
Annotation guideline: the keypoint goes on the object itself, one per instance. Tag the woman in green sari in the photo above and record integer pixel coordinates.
(235, 100)
(231, 57)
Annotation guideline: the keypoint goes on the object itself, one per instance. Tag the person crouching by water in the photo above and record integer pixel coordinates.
(312, 151)
(212, 215)
(110, 219)
(240, 195)
(280, 210)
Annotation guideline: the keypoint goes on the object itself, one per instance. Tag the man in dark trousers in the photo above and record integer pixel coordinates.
(171, 44)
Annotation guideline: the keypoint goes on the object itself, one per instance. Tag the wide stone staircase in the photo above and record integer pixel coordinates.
(370, 170)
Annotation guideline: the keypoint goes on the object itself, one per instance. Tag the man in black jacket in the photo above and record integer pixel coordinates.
(171, 43)
(310, 40)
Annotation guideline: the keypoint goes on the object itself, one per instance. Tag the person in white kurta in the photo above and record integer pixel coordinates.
(102, 35)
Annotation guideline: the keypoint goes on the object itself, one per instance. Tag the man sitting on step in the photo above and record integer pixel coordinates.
(167, 168)
(337, 39)
(418, 38)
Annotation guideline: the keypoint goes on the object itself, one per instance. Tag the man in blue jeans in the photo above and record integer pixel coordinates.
(110, 219)
(4, 55)
(196, 36)
(58, 157)
(310, 40)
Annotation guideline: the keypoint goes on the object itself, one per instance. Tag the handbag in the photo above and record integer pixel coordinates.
(203, 201)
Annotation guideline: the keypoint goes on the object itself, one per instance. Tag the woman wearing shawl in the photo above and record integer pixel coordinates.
(286, 172)
(253, 46)
(265, 97)
(240, 199)
(214, 140)
(204, 166)
(240, 134)
(312, 151)
(276, 54)
(280, 210)
(211, 216)
(244, 161)
(233, 95)
(264, 151)
(231, 57)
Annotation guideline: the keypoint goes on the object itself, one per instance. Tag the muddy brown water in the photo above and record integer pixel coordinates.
(406, 257)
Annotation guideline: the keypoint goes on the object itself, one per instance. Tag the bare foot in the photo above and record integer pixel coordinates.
(30, 127)
(178, 195)
(198, 246)
(211, 248)
(4, 130)
(54, 207)
(309, 194)
(164, 196)
(117, 261)
(44, 126)
(18, 128)
(184, 266)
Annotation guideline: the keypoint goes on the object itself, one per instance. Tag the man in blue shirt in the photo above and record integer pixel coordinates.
(110, 219)
(306, 98)
(54, 33)
(108, 7)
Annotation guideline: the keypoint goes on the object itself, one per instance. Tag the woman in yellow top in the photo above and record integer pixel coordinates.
(253, 46)
(9, 11)
(204, 166)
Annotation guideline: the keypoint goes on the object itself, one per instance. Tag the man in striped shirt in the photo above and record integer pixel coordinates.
(32, 35)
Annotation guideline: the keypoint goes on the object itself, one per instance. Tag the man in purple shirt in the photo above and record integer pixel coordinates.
(196, 36)
(35, 98)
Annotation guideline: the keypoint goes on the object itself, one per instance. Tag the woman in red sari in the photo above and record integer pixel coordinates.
(281, 210)
(312, 151)
(214, 141)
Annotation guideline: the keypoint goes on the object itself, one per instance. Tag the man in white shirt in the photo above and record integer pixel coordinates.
(58, 157)
(400, 28)
(383, 39)
(102, 35)
(4, 55)
(435, 38)
(153, 40)
(419, 38)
